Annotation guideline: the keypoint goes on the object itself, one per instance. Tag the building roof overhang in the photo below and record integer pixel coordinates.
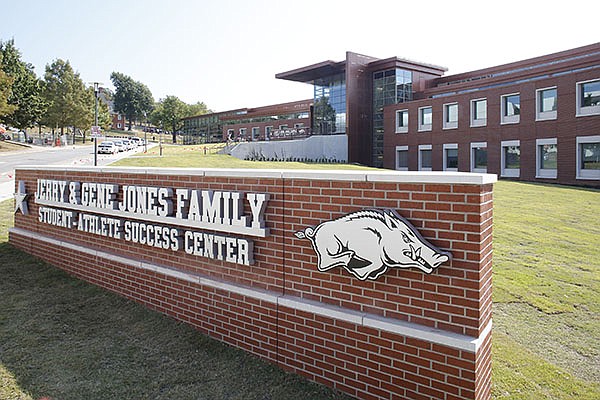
(313, 72)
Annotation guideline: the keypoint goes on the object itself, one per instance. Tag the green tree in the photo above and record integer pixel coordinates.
(69, 102)
(6, 83)
(168, 113)
(197, 109)
(26, 95)
(132, 99)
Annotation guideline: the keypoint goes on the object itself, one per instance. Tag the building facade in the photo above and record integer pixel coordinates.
(350, 96)
(533, 120)
(273, 122)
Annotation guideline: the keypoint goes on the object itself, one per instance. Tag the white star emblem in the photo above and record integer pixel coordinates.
(21, 199)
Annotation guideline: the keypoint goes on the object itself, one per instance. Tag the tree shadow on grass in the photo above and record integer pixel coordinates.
(63, 338)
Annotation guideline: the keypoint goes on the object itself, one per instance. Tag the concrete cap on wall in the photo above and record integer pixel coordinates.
(444, 177)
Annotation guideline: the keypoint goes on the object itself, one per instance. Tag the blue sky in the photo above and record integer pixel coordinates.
(226, 52)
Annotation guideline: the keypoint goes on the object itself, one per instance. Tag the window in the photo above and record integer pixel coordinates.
(451, 157)
(588, 157)
(478, 112)
(243, 133)
(402, 158)
(255, 133)
(119, 126)
(451, 116)
(425, 118)
(479, 157)
(283, 127)
(588, 98)
(402, 121)
(511, 108)
(424, 157)
(119, 118)
(546, 104)
(510, 158)
(546, 156)
(230, 133)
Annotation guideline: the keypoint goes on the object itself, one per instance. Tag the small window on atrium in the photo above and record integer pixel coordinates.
(402, 158)
(478, 112)
(479, 157)
(546, 156)
(424, 157)
(451, 157)
(546, 104)
(402, 121)
(588, 98)
(588, 157)
(511, 158)
(451, 116)
(425, 119)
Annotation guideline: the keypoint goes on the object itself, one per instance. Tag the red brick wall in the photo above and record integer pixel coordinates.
(565, 128)
(406, 335)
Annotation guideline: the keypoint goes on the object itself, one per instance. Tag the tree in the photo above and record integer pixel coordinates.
(26, 96)
(197, 109)
(69, 102)
(168, 113)
(6, 83)
(132, 99)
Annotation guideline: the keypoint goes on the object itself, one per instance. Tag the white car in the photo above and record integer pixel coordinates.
(107, 148)
(127, 143)
(120, 145)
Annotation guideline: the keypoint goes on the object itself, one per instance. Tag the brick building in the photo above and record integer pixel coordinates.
(286, 120)
(532, 120)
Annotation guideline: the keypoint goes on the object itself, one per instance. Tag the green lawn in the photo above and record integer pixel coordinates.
(195, 157)
(62, 338)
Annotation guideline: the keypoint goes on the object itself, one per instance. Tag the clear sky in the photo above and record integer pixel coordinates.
(226, 52)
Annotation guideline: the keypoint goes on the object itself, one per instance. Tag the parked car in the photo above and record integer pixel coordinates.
(107, 147)
(127, 143)
(120, 145)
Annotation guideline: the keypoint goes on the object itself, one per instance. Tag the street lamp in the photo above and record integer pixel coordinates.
(96, 123)
(160, 140)
(146, 133)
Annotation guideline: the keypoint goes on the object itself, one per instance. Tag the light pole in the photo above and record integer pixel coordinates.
(96, 123)
(160, 140)
(146, 133)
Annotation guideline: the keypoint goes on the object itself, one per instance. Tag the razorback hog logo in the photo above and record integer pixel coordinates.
(369, 242)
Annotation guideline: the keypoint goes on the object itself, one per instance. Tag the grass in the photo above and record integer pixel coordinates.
(6, 147)
(546, 292)
(195, 157)
(62, 338)
(65, 339)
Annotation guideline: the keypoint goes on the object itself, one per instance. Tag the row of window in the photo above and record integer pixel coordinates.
(256, 131)
(546, 154)
(588, 103)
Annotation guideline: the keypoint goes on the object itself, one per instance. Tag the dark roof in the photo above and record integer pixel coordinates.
(312, 72)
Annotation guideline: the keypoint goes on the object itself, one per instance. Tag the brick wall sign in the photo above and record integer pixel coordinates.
(375, 283)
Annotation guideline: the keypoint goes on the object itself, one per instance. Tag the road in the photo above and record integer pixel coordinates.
(65, 155)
